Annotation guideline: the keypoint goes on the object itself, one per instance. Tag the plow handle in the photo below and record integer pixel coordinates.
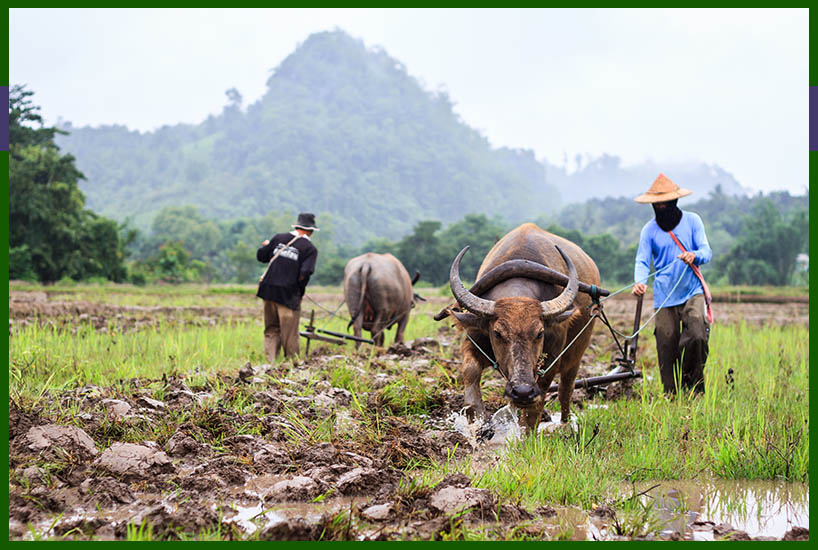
(637, 319)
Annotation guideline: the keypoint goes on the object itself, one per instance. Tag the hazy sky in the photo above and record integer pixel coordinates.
(728, 87)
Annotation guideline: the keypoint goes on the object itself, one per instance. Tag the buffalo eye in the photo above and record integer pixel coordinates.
(498, 335)
(540, 335)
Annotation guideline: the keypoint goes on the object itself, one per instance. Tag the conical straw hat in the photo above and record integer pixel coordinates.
(662, 190)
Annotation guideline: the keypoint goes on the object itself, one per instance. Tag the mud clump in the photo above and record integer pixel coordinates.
(181, 444)
(190, 516)
(116, 408)
(379, 512)
(56, 442)
(152, 404)
(299, 488)
(359, 480)
(322, 454)
(797, 533)
(450, 500)
(724, 531)
(21, 421)
(219, 472)
(30, 505)
(295, 529)
(134, 462)
(106, 491)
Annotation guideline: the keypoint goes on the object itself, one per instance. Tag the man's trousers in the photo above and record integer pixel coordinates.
(682, 335)
(280, 330)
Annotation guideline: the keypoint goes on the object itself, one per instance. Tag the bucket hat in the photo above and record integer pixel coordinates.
(306, 221)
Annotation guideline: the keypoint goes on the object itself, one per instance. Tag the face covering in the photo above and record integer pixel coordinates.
(667, 217)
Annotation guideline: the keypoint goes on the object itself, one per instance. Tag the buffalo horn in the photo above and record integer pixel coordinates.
(529, 269)
(466, 299)
(561, 303)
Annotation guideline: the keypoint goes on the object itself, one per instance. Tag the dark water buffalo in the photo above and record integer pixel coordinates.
(522, 314)
(378, 294)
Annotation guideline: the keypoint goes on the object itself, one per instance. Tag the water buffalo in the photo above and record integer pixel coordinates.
(378, 294)
(525, 313)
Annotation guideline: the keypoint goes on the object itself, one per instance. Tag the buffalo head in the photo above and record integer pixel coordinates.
(516, 327)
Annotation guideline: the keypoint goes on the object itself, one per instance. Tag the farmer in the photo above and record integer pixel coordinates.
(291, 258)
(683, 322)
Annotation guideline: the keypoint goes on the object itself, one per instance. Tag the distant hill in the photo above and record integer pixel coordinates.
(345, 132)
(605, 176)
(342, 131)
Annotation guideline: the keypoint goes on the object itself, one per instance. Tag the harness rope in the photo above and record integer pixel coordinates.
(333, 314)
(669, 294)
(538, 372)
(596, 300)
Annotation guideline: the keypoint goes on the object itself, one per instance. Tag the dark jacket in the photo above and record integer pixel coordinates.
(287, 278)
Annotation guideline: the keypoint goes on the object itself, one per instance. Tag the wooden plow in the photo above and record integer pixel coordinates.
(311, 333)
(625, 369)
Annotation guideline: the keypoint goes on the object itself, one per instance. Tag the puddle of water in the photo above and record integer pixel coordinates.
(760, 508)
(689, 507)
(252, 518)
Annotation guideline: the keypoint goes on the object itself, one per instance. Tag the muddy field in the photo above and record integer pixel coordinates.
(267, 452)
(28, 307)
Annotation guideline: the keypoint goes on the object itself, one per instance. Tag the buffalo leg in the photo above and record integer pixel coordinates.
(357, 329)
(378, 329)
(401, 328)
(472, 371)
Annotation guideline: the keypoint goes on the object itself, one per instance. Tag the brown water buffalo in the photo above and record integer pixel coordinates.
(378, 294)
(524, 313)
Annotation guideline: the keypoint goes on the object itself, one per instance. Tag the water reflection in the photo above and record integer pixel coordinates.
(759, 508)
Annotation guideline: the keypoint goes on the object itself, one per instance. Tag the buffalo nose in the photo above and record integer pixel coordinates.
(523, 392)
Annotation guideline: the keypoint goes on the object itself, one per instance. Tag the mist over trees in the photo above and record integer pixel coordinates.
(605, 176)
(343, 131)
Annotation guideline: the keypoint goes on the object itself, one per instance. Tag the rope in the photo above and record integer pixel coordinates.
(308, 297)
(669, 294)
(541, 372)
(626, 287)
(331, 315)
(494, 364)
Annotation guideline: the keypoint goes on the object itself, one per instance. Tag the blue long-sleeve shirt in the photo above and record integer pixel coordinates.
(658, 245)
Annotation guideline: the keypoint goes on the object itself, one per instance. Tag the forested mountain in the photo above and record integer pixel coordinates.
(342, 130)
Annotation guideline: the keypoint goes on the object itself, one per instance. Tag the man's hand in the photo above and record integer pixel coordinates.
(265, 243)
(639, 289)
(687, 257)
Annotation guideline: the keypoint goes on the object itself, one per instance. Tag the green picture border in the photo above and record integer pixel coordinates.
(813, 159)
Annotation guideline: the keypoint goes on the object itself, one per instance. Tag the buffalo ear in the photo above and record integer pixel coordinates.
(564, 316)
(470, 320)
(419, 298)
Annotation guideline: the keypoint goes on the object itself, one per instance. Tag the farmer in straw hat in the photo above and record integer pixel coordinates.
(683, 323)
(291, 260)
